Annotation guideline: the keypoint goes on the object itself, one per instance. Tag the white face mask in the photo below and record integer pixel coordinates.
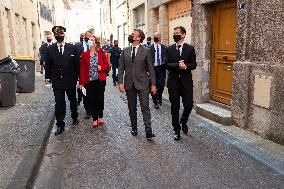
(90, 43)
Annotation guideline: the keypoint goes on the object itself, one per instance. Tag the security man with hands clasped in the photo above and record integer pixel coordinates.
(62, 71)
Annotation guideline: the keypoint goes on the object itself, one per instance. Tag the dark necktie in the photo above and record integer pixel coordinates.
(133, 54)
(60, 49)
(158, 56)
(178, 51)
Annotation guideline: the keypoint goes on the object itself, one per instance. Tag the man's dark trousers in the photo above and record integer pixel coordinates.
(160, 72)
(60, 104)
(174, 96)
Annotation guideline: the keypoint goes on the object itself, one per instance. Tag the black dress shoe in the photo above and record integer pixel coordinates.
(177, 137)
(75, 122)
(150, 135)
(59, 131)
(184, 129)
(134, 132)
(156, 106)
(87, 116)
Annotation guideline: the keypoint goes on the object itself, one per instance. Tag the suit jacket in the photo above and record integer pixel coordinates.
(85, 66)
(43, 52)
(153, 51)
(80, 47)
(114, 56)
(62, 69)
(172, 65)
(136, 73)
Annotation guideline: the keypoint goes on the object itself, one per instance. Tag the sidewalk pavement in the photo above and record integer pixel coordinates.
(265, 151)
(24, 131)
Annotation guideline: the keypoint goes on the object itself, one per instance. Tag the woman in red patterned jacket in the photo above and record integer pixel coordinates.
(93, 67)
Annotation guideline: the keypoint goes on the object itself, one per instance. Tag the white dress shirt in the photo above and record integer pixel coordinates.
(58, 46)
(136, 49)
(160, 52)
(85, 46)
(180, 49)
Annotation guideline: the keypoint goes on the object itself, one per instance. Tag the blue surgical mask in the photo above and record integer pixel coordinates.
(90, 43)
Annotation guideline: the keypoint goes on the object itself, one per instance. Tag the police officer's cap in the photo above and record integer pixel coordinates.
(58, 30)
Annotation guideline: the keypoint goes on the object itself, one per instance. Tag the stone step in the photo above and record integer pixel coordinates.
(215, 113)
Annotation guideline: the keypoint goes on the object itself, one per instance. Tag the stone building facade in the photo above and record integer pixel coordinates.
(25, 23)
(121, 20)
(115, 17)
(165, 15)
(138, 15)
(46, 17)
(106, 20)
(241, 61)
(19, 30)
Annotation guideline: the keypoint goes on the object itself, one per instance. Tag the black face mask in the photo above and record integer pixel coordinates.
(148, 43)
(156, 39)
(177, 38)
(59, 38)
(116, 45)
(81, 39)
(130, 38)
(48, 40)
(86, 39)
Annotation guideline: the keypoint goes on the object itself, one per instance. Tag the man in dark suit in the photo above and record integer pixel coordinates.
(114, 59)
(83, 47)
(80, 45)
(158, 55)
(180, 59)
(62, 70)
(43, 51)
(135, 68)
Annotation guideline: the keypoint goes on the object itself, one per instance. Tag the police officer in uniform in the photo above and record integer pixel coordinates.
(62, 70)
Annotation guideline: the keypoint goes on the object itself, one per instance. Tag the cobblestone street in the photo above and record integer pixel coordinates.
(110, 157)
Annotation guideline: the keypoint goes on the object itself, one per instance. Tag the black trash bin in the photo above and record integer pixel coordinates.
(26, 75)
(8, 84)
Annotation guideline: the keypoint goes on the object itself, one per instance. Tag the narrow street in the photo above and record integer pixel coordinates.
(110, 157)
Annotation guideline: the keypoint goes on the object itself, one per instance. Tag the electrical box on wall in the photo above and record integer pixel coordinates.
(262, 88)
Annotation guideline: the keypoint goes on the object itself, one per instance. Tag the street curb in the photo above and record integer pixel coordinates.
(28, 168)
(249, 149)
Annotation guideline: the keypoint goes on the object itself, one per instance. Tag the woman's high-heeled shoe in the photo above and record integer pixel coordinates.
(95, 124)
(101, 121)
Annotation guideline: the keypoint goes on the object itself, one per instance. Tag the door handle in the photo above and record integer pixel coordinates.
(225, 57)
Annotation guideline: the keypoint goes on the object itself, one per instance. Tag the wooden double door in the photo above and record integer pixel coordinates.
(223, 50)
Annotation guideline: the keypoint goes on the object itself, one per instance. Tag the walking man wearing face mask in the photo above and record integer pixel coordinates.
(82, 47)
(62, 70)
(43, 51)
(180, 59)
(158, 56)
(114, 59)
(135, 68)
